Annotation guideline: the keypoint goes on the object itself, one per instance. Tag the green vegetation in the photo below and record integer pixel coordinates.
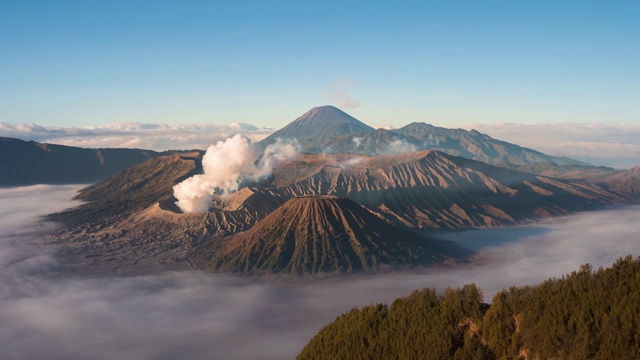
(585, 315)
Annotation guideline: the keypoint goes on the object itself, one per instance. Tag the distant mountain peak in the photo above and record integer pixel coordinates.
(327, 114)
(325, 108)
(319, 123)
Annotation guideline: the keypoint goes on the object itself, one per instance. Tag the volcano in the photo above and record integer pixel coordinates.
(315, 234)
(319, 125)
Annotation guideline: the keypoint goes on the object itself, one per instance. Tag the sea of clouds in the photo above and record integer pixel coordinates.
(47, 313)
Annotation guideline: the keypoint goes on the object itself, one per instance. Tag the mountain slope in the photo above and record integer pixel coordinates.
(374, 142)
(313, 234)
(625, 181)
(326, 129)
(318, 125)
(434, 190)
(132, 219)
(420, 136)
(29, 162)
(475, 145)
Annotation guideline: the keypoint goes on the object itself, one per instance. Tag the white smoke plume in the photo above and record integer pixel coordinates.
(401, 146)
(349, 163)
(431, 141)
(226, 166)
(357, 141)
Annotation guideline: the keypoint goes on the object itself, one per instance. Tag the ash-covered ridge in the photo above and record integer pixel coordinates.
(132, 219)
(317, 234)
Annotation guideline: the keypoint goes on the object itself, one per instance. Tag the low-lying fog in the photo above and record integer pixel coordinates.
(191, 315)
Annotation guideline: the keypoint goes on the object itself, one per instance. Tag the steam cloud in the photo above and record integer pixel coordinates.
(47, 313)
(357, 141)
(351, 162)
(226, 166)
(338, 93)
(400, 147)
(431, 141)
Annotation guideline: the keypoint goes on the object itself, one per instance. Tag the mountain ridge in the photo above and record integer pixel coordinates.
(132, 217)
(320, 233)
(327, 129)
(30, 162)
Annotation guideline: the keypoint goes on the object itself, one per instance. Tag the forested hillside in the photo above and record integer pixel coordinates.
(585, 315)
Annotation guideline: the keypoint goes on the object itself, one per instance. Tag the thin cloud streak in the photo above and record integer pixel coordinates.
(151, 136)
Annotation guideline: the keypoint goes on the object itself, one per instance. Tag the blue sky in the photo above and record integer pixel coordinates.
(76, 63)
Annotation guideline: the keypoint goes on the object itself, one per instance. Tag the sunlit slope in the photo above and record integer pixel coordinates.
(313, 234)
(133, 215)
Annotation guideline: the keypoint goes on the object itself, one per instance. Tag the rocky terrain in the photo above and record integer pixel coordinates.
(314, 234)
(131, 221)
(625, 181)
(322, 211)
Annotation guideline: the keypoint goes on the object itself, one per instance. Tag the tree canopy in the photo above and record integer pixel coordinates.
(584, 315)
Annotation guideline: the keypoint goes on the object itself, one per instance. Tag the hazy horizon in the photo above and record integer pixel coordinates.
(614, 145)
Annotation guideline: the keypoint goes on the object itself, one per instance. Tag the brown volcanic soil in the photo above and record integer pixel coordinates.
(131, 219)
(623, 181)
(430, 189)
(314, 234)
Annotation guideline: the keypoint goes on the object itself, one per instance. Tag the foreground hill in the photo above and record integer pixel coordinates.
(132, 215)
(314, 234)
(584, 315)
(29, 163)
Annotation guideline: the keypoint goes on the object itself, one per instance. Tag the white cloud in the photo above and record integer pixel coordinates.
(47, 313)
(226, 165)
(153, 136)
(610, 144)
(400, 146)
